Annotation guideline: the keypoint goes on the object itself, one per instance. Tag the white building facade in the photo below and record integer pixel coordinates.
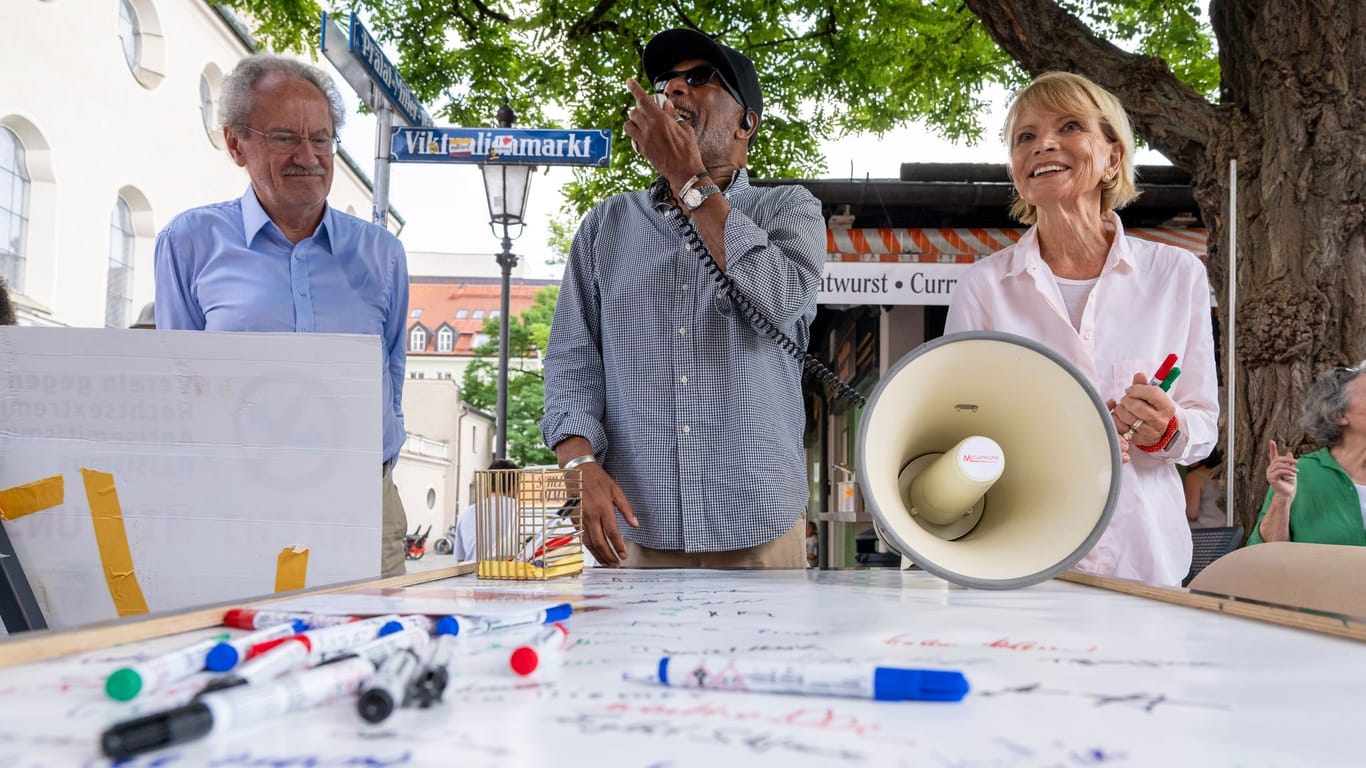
(107, 130)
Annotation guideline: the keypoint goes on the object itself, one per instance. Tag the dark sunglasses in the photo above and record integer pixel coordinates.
(696, 78)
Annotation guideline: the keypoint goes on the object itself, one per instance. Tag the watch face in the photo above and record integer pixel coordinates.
(692, 199)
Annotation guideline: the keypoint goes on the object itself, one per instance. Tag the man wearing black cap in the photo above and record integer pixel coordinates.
(684, 420)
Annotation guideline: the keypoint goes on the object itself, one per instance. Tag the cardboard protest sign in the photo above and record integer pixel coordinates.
(156, 470)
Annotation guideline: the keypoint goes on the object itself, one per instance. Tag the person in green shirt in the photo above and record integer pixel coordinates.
(1321, 498)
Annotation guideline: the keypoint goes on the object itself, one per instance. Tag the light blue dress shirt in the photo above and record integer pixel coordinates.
(228, 267)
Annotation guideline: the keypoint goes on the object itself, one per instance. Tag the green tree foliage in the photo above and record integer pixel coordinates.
(828, 69)
(527, 338)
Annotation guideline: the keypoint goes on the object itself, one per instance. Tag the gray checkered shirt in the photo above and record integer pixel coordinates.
(697, 417)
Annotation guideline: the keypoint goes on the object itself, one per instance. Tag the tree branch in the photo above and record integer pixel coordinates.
(1042, 37)
(488, 12)
(589, 23)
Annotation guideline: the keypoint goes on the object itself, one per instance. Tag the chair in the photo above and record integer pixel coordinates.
(1210, 544)
(1320, 577)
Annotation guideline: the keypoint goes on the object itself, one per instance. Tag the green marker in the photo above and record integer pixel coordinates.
(1171, 377)
(127, 682)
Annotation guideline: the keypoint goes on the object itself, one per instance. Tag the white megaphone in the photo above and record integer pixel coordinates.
(988, 460)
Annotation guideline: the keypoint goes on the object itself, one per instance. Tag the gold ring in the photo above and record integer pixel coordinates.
(1128, 436)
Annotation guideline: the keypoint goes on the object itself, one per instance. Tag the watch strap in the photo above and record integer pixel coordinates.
(690, 183)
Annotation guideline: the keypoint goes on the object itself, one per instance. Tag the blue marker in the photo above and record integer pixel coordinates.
(863, 681)
(478, 625)
(227, 654)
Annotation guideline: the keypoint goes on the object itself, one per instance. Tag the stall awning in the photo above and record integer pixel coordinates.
(921, 266)
(964, 245)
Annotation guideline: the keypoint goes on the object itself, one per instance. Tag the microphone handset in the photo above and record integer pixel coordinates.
(664, 203)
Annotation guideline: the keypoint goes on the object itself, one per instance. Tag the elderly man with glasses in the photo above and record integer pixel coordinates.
(279, 258)
(685, 419)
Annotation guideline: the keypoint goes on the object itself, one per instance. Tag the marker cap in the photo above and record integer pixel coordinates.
(892, 684)
(161, 729)
(524, 660)
(448, 625)
(375, 705)
(558, 613)
(123, 684)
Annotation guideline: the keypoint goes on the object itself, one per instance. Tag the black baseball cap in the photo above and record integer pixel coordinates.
(674, 45)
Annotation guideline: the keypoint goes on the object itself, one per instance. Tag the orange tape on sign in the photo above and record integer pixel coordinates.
(291, 568)
(32, 497)
(111, 538)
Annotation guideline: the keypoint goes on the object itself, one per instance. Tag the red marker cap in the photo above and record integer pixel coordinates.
(1166, 367)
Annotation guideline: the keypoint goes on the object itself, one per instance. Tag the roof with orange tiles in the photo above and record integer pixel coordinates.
(463, 305)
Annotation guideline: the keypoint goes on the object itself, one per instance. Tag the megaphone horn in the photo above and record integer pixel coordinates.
(988, 460)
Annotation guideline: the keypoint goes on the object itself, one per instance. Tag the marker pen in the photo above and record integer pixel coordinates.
(379, 649)
(414, 621)
(283, 658)
(1170, 378)
(864, 681)
(1163, 370)
(527, 658)
(479, 624)
(235, 707)
(297, 654)
(127, 682)
(388, 688)
(247, 618)
(342, 637)
(430, 683)
(225, 655)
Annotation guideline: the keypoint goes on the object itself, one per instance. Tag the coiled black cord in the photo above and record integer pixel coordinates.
(663, 198)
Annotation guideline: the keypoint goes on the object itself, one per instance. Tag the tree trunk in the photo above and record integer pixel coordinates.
(1292, 74)
(1293, 116)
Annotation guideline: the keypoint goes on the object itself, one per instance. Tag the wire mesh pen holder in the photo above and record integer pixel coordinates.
(527, 524)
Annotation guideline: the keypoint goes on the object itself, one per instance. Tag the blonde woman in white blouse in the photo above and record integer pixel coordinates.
(1113, 305)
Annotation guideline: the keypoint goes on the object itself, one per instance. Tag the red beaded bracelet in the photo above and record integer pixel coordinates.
(1163, 441)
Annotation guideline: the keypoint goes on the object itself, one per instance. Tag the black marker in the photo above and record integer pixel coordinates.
(388, 688)
(430, 684)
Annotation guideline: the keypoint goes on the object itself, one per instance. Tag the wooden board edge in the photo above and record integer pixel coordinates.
(47, 644)
(1285, 616)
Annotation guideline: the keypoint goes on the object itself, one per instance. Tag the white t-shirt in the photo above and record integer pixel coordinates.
(1074, 296)
(465, 528)
(1361, 496)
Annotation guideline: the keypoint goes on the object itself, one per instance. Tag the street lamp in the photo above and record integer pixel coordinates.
(506, 186)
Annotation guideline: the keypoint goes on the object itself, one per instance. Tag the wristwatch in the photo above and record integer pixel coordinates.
(693, 195)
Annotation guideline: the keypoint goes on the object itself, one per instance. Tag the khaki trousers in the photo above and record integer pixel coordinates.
(393, 528)
(786, 551)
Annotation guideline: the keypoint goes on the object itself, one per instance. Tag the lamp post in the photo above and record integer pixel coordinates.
(506, 186)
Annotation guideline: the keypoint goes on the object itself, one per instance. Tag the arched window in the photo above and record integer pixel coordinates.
(130, 32)
(118, 307)
(14, 192)
(417, 340)
(445, 340)
(144, 49)
(210, 80)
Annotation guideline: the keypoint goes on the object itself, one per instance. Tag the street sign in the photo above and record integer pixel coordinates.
(506, 146)
(364, 66)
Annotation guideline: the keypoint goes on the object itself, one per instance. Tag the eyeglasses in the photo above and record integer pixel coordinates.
(696, 78)
(289, 141)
